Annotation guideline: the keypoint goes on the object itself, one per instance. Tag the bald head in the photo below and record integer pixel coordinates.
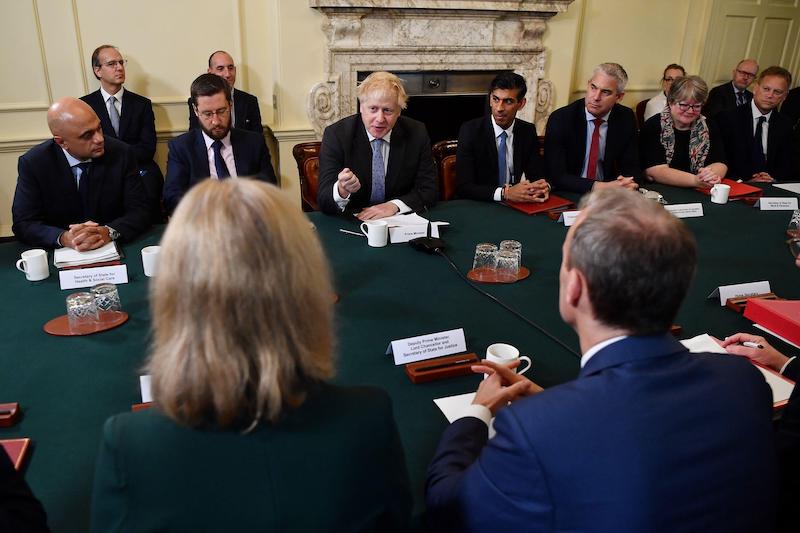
(76, 128)
(744, 73)
(221, 63)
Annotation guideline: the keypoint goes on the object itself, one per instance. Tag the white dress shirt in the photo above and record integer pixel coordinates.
(655, 105)
(118, 96)
(227, 155)
(764, 128)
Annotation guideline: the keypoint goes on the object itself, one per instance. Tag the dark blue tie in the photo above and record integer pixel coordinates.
(502, 164)
(378, 194)
(759, 160)
(83, 187)
(219, 162)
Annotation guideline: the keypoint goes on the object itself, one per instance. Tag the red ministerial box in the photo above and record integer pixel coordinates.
(779, 316)
(738, 190)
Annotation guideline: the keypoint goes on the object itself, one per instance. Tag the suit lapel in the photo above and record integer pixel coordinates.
(239, 110)
(235, 145)
(127, 114)
(66, 179)
(487, 133)
(519, 141)
(397, 154)
(580, 132)
(200, 152)
(632, 349)
(102, 114)
(96, 183)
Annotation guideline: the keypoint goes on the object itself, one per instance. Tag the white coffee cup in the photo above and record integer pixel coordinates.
(377, 232)
(720, 192)
(150, 260)
(505, 353)
(34, 264)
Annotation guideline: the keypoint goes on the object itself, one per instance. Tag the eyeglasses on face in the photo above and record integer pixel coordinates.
(683, 106)
(221, 112)
(113, 64)
(745, 73)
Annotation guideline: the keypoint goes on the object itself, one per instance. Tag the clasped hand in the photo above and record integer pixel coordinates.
(708, 177)
(86, 236)
(502, 386)
(528, 191)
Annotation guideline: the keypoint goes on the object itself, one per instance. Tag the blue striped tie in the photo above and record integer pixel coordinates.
(378, 173)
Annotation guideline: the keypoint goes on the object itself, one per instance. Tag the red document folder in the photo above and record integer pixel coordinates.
(779, 316)
(738, 190)
(16, 450)
(554, 202)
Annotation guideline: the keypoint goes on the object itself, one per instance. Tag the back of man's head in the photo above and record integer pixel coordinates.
(509, 81)
(637, 258)
(209, 85)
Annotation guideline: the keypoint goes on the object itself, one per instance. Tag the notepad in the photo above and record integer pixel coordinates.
(67, 257)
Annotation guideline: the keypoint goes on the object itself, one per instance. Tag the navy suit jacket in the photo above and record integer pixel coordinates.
(137, 128)
(791, 106)
(565, 147)
(410, 173)
(476, 157)
(47, 200)
(648, 438)
(247, 115)
(187, 162)
(722, 98)
(736, 127)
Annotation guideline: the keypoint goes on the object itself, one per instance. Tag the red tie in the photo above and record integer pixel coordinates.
(594, 151)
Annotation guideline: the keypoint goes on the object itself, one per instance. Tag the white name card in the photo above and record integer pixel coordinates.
(777, 204)
(400, 234)
(740, 290)
(568, 217)
(428, 346)
(685, 210)
(144, 385)
(87, 277)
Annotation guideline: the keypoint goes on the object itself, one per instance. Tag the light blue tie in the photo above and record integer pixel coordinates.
(502, 165)
(378, 173)
(113, 114)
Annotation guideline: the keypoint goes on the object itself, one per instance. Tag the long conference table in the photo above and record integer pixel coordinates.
(68, 386)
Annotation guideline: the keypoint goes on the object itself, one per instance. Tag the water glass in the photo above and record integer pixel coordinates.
(81, 309)
(106, 297)
(507, 265)
(485, 256)
(512, 246)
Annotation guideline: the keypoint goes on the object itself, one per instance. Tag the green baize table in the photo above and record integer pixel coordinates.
(67, 387)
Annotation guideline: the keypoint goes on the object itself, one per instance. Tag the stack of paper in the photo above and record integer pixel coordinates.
(67, 257)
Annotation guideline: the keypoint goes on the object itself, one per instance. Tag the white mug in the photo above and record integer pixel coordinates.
(720, 192)
(34, 264)
(377, 232)
(150, 260)
(505, 353)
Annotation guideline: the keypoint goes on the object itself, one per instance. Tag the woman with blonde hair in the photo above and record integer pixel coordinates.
(245, 433)
(679, 146)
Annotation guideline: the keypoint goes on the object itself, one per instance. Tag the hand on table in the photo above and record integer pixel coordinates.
(502, 386)
(621, 181)
(767, 356)
(386, 209)
(528, 191)
(762, 177)
(86, 236)
(707, 178)
(347, 183)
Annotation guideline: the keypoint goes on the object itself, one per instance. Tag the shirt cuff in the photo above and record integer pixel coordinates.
(341, 202)
(401, 205)
(498, 194)
(481, 412)
(787, 363)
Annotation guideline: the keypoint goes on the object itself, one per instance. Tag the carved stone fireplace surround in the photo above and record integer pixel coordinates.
(430, 35)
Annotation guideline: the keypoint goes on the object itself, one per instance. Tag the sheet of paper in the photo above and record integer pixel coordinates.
(780, 386)
(791, 187)
(68, 256)
(453, 406)
(144, 385)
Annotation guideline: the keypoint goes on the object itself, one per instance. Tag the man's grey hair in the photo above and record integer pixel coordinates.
(614, 70)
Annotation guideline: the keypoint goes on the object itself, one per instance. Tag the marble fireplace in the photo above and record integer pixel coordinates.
(428, 39)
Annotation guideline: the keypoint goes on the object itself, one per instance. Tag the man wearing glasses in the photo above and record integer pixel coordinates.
(214, 150)
(733, 94)
(127, 116)
(245, 113)
(759, 141)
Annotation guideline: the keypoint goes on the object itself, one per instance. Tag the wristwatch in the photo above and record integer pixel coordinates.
(114, 234)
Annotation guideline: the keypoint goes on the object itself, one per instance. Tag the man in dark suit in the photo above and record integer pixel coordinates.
(246, 114)
(215, 150)
(498, 155)
(734, 93)
(80, 189)
(759, 140)
(376, 159)
(20, 511)
(791, 107)
(591, 143)
(128, 117)
(649, 437)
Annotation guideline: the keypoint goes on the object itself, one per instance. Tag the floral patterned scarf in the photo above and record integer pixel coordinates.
(699, 142)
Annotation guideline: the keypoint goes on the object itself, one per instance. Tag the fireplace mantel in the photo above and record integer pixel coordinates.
(430, 35)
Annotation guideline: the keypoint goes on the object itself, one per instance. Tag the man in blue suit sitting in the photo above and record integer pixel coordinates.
(216, 149)
(648, 437)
